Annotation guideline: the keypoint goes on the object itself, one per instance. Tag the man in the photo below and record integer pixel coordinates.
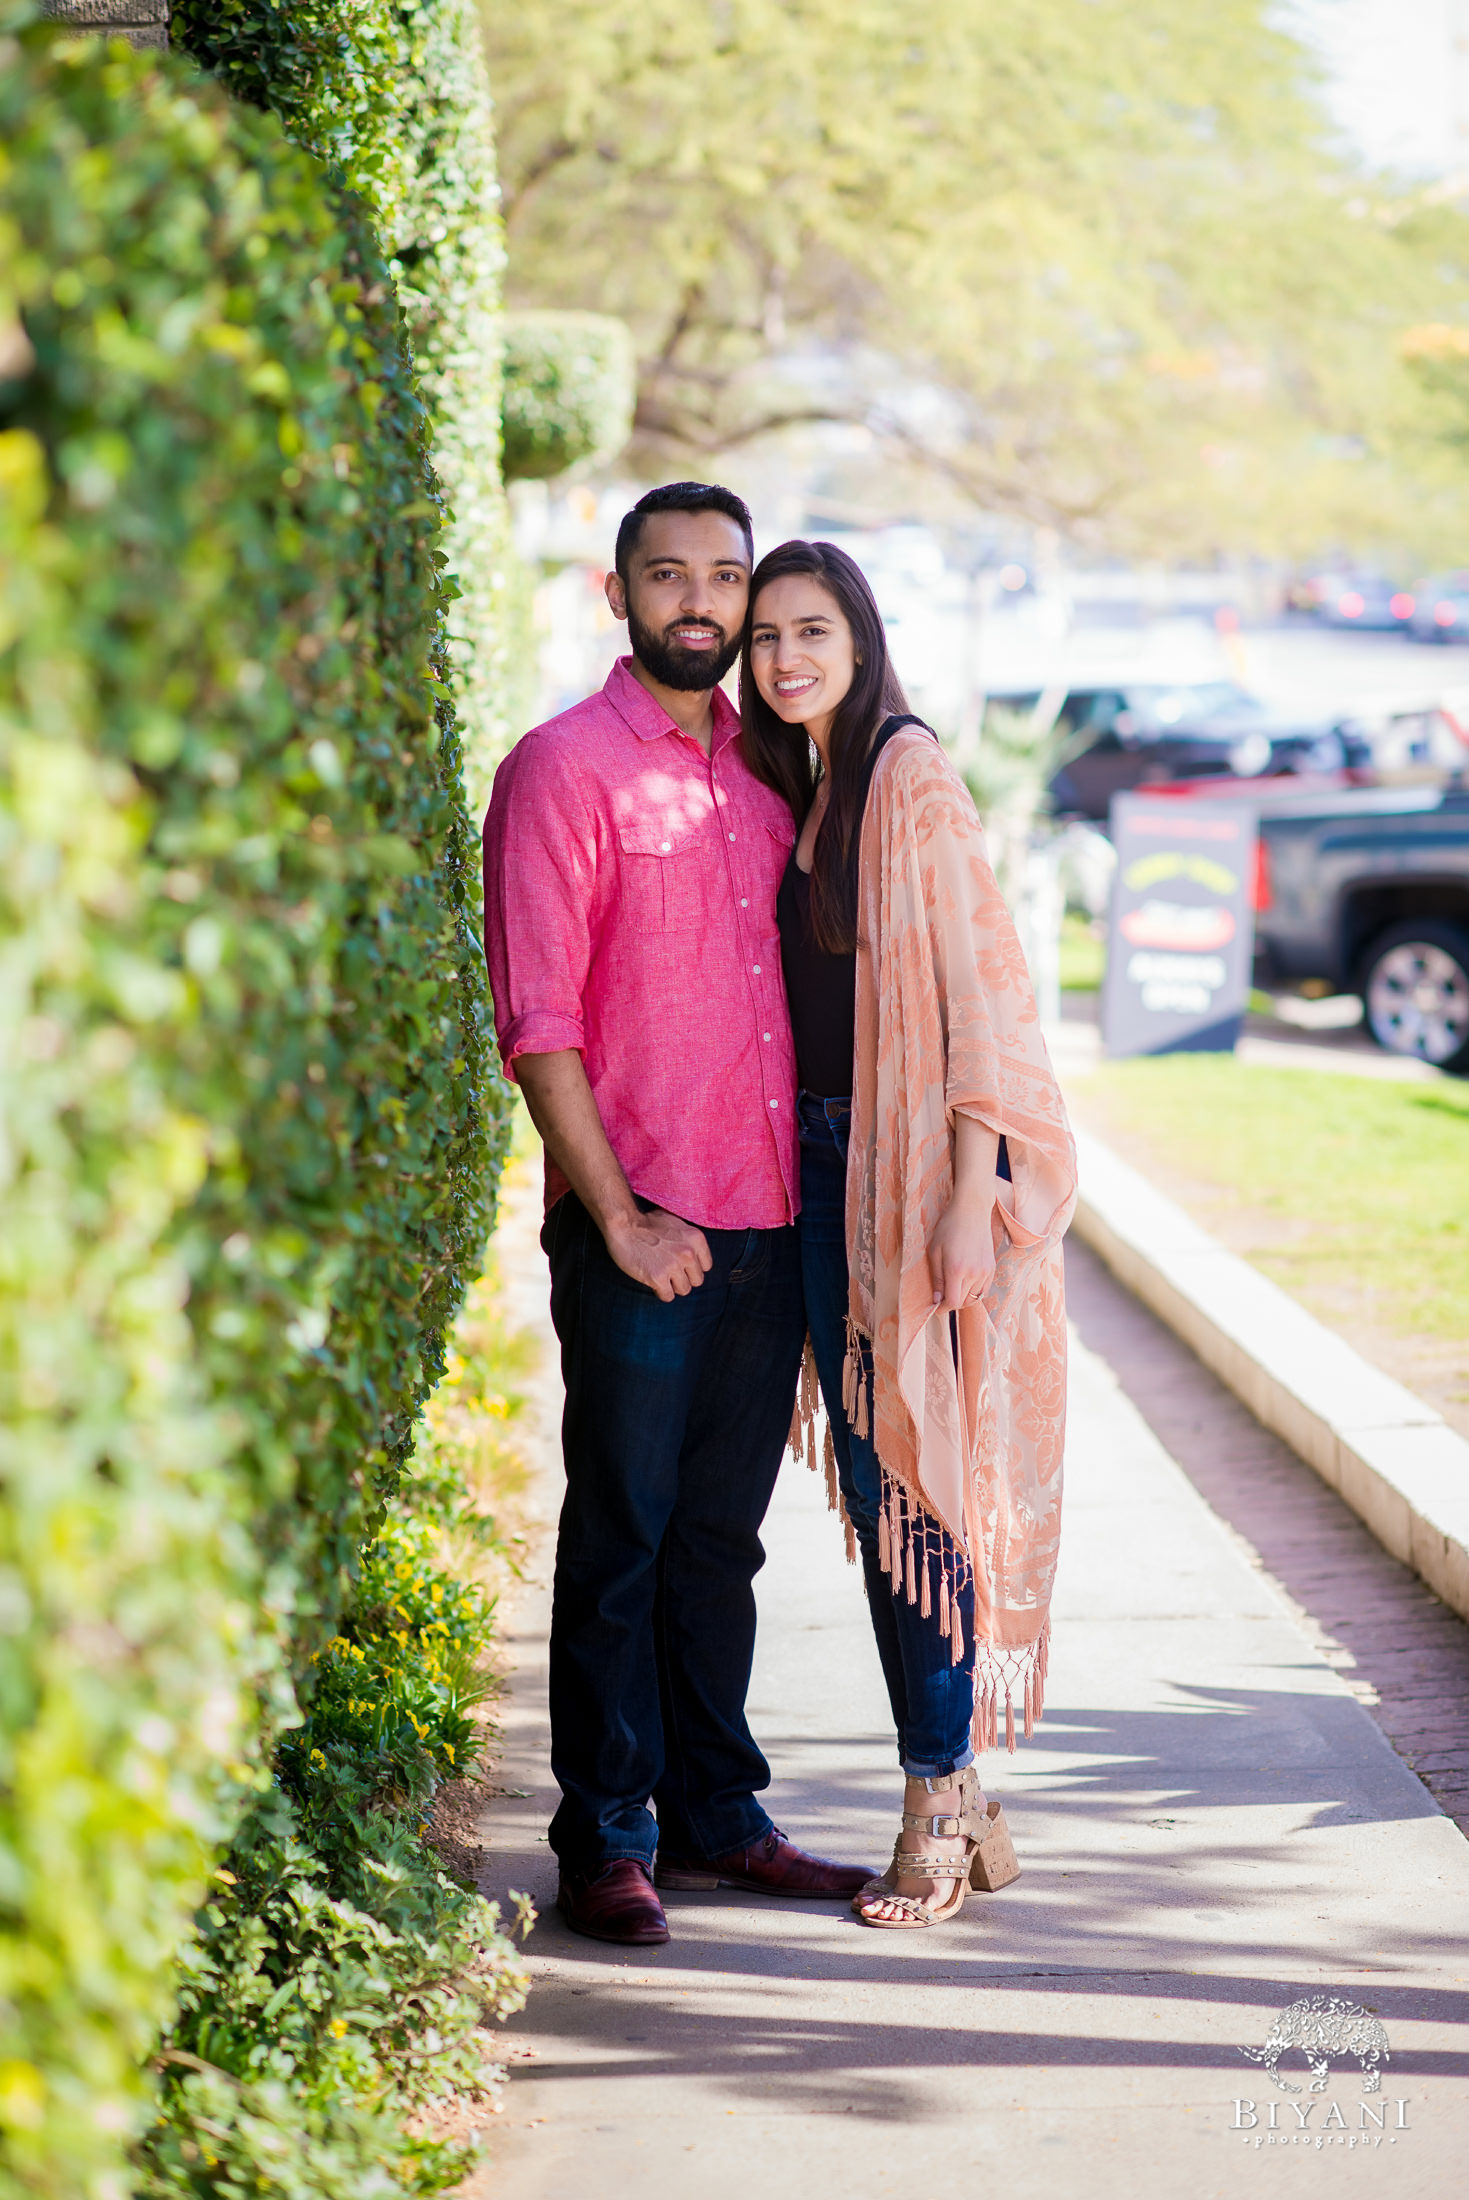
(631, 867)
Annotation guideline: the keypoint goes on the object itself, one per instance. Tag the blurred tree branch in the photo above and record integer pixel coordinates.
(1100, 248)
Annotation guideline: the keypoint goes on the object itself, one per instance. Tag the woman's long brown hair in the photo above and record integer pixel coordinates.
(781, 754)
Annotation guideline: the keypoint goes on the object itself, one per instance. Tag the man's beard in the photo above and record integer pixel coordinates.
(675, 666)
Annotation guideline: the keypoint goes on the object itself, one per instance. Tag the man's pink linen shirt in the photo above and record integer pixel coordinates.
(630, 885)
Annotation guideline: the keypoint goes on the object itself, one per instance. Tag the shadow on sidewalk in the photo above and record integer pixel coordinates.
(1404, 1654)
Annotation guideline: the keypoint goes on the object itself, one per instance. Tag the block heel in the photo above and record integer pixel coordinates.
(995, 1863)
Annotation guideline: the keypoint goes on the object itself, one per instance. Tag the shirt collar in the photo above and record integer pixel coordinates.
(647, 718)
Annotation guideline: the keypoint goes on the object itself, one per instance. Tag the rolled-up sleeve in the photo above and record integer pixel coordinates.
(540, 860)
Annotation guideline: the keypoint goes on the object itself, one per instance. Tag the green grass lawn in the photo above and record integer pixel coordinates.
(1352, 1192)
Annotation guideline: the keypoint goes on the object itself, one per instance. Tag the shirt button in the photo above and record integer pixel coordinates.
(767, 1038)
(731, 836)
(744, 905)
(756, 968)
(775, 1103)
(665, 845)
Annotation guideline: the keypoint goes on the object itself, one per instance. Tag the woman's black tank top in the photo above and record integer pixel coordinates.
(821, 989)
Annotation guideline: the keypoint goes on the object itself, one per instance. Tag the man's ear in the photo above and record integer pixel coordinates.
(616, 595)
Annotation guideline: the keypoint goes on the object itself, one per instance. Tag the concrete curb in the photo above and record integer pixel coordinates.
(1396, 1462)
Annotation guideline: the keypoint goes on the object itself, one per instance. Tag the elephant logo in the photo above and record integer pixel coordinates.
(1322, 2027)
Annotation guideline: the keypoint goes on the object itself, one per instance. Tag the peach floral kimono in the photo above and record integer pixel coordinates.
(968, 1416)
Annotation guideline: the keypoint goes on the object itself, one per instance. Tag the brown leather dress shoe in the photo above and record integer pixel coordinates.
(616, 1903)
(772, 1866)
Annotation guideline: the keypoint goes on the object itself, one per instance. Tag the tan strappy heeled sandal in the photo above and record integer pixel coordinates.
(988, 1862)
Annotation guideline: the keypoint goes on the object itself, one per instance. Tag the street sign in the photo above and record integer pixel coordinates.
(1180, 940)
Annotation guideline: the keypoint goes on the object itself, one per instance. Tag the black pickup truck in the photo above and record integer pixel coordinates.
(1368, 892)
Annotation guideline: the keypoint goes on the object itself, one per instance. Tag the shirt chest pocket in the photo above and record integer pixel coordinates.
(668, 873)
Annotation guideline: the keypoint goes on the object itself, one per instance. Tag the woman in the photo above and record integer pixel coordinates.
(937, 1178)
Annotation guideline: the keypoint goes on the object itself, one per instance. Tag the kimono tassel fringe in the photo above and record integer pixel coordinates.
(854, 1383)
(1007, 1670)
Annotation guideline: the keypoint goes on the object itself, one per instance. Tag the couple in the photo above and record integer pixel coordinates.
(753, 975)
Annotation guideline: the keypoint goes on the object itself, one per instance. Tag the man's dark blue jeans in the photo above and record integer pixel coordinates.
(676, 1418)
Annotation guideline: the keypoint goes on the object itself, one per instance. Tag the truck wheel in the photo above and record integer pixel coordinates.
(1415, 988)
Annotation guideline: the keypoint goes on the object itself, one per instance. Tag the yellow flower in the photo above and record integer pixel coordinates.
(449, 1751)
(339, 2028)
(318, 1759)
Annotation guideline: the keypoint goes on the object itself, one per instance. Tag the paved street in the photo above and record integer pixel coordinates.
(1212, 1822)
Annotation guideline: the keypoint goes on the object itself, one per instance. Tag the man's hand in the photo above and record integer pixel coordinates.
(656, 1248)
(670, 1256)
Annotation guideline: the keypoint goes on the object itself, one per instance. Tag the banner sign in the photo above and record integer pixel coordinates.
(1180, 940)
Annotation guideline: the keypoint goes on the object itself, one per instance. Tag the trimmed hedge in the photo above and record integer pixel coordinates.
(448, 251)
(394, 94)
(340, 1982)
(570, 389)
(246, 1116)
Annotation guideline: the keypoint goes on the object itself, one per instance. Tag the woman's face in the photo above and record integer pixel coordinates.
(801, 651)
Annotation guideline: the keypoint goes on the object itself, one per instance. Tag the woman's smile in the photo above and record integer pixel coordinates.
(802, 653)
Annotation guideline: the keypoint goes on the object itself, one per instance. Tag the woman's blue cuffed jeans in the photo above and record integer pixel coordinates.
(932, 1698)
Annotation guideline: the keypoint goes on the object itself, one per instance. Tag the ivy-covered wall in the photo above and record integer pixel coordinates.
(246, 1104)
(394, 95)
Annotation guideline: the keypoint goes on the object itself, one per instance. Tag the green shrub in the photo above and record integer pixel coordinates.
(340, 1983)
(246, 1105)
(394, 94)
(339, 1980)
(570, 389)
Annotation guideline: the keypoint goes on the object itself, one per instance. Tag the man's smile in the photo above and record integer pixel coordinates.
(697, 637)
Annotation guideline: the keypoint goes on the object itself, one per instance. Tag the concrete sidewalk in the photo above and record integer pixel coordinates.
(1210, 1824)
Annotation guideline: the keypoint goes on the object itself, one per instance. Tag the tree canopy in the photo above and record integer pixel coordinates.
(1094, 262)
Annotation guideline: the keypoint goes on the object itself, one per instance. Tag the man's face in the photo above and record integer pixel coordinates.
(684, 601)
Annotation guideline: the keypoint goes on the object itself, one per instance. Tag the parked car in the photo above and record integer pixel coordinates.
(1365, 600)
(1420, 739)
(1368, 892)
(1441, 608)
(1151, 733)
(1307, 592)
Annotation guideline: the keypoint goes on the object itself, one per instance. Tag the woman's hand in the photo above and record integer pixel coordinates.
(961, 1252)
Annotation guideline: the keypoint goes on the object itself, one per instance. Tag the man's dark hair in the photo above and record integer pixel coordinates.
(682, 496)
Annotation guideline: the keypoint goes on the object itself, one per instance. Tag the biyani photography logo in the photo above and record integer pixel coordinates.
(1322, 2028)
